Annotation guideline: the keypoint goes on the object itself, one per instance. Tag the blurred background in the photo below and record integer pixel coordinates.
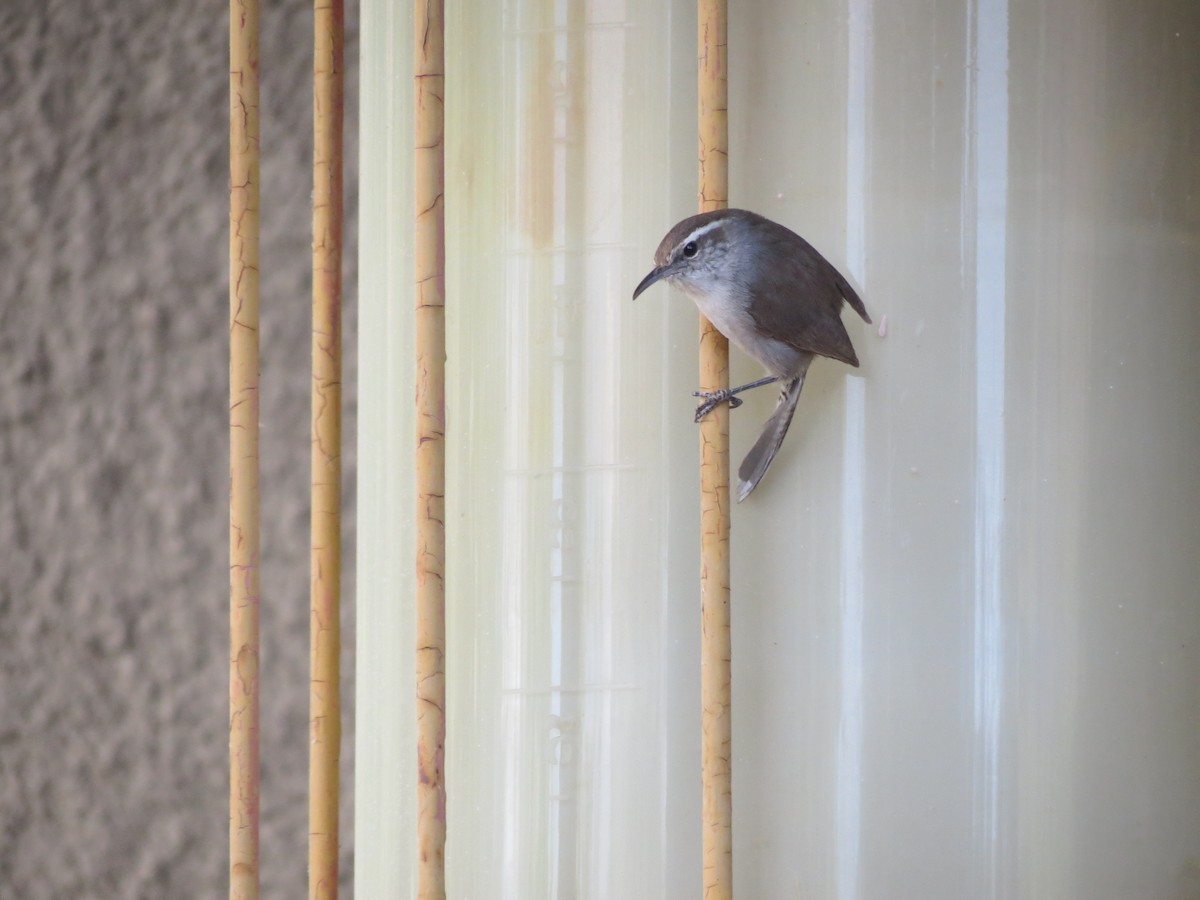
(113, 446)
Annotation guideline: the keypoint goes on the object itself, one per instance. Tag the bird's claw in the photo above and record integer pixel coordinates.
(713, 399)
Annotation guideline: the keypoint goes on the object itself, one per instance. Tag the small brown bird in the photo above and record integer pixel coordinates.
(770, 292)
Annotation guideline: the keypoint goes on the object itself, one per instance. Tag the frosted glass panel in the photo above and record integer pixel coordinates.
(559, 541)
(966, 596)
(966, 604)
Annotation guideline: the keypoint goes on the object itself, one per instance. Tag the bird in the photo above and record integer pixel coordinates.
(770, 292)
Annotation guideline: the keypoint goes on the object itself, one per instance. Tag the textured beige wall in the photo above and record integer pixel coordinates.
(113, 461)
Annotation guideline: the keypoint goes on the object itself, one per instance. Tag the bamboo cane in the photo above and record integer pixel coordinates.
(715, 758)
(243, 451)
(429, 257)
(325, 610)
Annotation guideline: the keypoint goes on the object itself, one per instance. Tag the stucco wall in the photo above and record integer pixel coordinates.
(113, 460)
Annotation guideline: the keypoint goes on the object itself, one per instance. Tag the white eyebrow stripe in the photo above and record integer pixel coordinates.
(703, 229)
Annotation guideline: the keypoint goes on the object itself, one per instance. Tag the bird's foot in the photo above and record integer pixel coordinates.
(713, 399)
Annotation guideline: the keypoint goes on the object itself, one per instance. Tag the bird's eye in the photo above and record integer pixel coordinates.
(689, 249)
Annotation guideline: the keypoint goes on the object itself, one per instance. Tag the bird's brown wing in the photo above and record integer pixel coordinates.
(799, 294)
(799, 302)
(851, 295)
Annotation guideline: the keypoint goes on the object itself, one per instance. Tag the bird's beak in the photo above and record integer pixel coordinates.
(657, 275)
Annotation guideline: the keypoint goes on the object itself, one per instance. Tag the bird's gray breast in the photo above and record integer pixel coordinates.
(728, 308)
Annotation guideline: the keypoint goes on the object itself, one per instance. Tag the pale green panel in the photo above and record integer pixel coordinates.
(385, 784)
(560, 468)
(965, 596)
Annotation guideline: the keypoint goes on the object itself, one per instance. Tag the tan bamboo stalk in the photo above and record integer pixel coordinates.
(326, 563)
(430, 328)
(715, 758)
(243, 450)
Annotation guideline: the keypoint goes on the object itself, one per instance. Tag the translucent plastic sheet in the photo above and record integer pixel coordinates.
(967, 595)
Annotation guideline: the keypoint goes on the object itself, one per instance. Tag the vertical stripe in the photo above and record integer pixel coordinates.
(850, 713)
(988, 120)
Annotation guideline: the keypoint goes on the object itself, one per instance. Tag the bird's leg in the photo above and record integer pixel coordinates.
(712, 399)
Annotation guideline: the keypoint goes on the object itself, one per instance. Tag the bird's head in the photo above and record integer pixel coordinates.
(696, 254)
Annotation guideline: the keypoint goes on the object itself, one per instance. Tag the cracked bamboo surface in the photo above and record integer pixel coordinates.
(325, 728)
(430, 332)
(243, 451)
(715, 758)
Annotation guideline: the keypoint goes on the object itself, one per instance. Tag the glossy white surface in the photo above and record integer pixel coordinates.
(559, 525)
(967, 595)
(385, 734)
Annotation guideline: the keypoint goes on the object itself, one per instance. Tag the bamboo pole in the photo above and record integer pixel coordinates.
(715, 758)
(430, 328)
(326, 564)
(243, 451)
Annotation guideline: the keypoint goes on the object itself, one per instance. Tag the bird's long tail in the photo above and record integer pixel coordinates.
(755, 465)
